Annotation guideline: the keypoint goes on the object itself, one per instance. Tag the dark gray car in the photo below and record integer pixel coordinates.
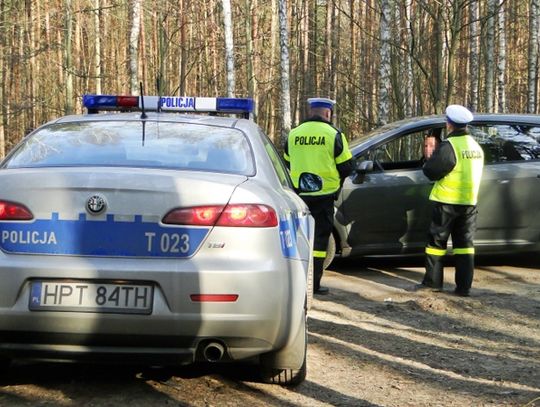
(383, 209)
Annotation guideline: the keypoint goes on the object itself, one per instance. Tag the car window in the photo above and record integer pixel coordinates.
(405, 152)
(132, 143)
(502, 143)
(280, 168)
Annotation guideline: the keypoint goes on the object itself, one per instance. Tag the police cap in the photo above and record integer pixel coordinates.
(321, 102)
(458, 115)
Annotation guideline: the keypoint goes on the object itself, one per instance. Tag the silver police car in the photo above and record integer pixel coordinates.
(150, 234)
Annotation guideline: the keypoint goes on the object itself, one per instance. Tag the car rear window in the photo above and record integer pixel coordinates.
(136, 144)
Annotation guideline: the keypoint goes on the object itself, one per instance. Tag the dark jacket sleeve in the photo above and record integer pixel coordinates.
(441, 162)
(345, 168)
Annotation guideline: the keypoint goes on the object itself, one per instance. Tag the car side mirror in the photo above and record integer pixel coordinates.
(362, 168)
(365, 166)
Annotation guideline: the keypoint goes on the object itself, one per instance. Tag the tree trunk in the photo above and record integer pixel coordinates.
(3, 66)
(532, 60)
(439, 59)
(274, 29)
(254, 35)
(397, 101)
(490, 55)
(161, 52)
(409, 100)
(501, 63)
(456, 21)
(335, 60)
(350, 89)
(97, 46)
(183, 48)
(474, 52)
(68, 56)
(312, 49)
(307, 80)
(384, 68)
(134, 46)
(250, 5)
(328, 46)
(229, 47)
(214, 43)
(285, 84)
(30, 67)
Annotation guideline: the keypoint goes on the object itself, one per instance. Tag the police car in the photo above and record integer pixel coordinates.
(143, 230)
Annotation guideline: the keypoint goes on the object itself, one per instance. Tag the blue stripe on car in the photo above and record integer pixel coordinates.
(100, 238)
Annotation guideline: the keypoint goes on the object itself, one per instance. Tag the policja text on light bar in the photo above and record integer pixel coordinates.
(95, 103)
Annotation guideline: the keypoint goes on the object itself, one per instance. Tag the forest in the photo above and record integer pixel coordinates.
(382, 60)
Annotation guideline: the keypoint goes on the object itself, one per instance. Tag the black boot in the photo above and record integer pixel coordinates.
(434, 272)
(318, 265)
(464, 273)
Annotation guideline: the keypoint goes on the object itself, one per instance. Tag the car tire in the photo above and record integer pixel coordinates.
(273, 365)
(330, 252)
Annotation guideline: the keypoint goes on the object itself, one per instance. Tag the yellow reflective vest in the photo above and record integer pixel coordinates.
(310, 148)
(460, 186)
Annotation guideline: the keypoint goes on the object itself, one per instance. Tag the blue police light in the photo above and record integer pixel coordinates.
(240, 105)
(103, 102)
(97, 101)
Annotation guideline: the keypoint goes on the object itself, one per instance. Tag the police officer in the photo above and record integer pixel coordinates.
(318, 156)
(456, 166)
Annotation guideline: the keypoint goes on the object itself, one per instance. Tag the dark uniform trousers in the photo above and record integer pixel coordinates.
(322, 210)
(458, 221)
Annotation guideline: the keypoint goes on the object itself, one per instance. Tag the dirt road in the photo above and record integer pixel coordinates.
(372, 342)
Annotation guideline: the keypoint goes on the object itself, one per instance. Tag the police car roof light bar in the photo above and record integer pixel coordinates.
(96, 103)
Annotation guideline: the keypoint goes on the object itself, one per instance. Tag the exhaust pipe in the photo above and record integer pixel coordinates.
(213, 352)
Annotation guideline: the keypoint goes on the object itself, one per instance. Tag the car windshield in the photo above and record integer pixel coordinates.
(136, 144)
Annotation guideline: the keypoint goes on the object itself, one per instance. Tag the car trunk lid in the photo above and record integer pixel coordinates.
(108, 211)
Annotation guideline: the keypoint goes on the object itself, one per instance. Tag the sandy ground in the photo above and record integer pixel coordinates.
(372, 342)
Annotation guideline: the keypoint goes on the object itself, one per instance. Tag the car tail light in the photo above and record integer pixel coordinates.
(197, 216)
(14, 211)
(248, 215)
(233, 215)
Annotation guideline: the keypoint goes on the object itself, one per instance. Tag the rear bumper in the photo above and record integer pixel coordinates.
(270, 303)
(123, 349)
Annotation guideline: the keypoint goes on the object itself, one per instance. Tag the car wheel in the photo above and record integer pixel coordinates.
(287, 367)
(330, 252)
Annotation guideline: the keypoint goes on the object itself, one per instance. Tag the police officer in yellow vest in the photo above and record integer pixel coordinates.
(456, 166)
(319, 159)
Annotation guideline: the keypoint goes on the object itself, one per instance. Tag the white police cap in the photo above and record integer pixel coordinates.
(321, 102)
(459, 115)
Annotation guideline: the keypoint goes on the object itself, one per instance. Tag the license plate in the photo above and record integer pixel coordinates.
(85, 296)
